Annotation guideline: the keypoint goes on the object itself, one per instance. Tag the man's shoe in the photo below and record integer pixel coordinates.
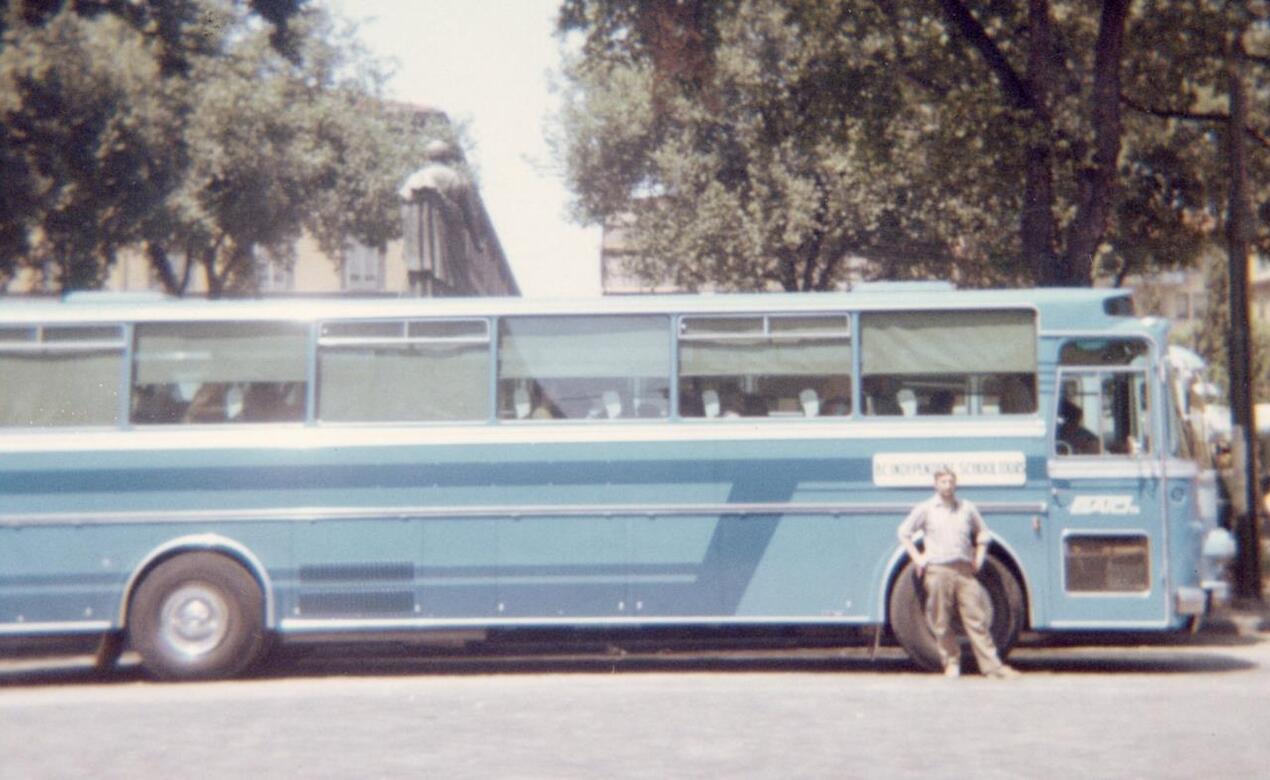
(952, 670)
(1004, 672)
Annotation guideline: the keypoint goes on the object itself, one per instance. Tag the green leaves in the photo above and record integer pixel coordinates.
(104, 145)
(86, 144)
(905, 138)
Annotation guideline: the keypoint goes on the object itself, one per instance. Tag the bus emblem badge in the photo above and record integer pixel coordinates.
(1104, 505)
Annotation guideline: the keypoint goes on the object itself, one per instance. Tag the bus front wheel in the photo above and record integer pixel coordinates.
(197, 616)
(907, 612)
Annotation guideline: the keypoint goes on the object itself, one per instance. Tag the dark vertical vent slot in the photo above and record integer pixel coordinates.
(358, 572)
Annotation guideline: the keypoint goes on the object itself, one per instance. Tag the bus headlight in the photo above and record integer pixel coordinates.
(1219, 545)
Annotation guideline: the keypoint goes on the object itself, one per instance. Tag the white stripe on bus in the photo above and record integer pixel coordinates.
(311, 514)
(299, 437)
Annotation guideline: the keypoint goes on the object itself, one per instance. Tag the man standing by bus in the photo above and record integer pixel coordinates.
(955, 542)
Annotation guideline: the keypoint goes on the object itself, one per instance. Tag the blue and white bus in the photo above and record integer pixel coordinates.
(193, 480)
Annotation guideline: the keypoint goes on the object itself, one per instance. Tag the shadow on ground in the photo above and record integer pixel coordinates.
(1197, 652)
(1097, 655)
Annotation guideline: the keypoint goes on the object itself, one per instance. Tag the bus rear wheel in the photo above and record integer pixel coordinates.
(197, 616)
(907, 612)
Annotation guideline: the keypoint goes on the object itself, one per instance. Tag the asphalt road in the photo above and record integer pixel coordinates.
(1142, 707)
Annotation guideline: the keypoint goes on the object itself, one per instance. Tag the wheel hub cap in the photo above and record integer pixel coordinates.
(194, 620)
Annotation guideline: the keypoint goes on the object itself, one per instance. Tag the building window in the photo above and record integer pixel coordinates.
(1182, 310)
(363, 268)
(274, 275)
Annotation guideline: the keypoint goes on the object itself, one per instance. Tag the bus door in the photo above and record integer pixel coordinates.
(1106, 520)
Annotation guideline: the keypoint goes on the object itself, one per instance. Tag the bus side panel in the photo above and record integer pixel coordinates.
(458, 575)
(668, 577)
(67, 574)
(57, 576)
(352, 569)
(819, 566)
(421, 534)
(560, 567)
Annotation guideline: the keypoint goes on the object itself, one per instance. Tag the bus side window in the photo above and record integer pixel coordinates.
(60, 376)
(404, 371)
(1102, 408)
(583, 367)
(1013, 394)
(219, 372)
(779, 365)
(272, 401)
(948, 363)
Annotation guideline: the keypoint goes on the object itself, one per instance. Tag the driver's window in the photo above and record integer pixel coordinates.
(1102, 407)
(1078, 400)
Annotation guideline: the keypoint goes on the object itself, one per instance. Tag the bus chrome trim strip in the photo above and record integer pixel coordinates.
(1104, 625)
(297, 436)
(311, 514)
(317, 625)
(33, 629)
(1102, 467)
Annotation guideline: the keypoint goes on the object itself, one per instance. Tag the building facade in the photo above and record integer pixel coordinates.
(478, 267)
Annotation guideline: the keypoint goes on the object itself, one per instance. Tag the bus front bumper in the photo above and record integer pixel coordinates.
(1201, 600)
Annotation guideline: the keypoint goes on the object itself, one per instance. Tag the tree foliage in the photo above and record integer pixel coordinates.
(1209, 334)
(176, 31)
(86, 152)
(202, 141)
(751, 143)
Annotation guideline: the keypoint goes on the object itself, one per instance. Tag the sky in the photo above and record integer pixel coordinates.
(487, 64)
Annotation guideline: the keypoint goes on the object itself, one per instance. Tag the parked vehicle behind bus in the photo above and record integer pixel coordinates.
(194, 480)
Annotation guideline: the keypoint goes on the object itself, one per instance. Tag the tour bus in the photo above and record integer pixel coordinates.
(194, 480)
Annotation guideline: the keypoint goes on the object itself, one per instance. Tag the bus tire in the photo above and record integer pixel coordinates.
(1005, 596)
(197, 616)
(907, 612)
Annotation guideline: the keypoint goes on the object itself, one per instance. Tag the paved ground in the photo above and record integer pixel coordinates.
(1096, 707)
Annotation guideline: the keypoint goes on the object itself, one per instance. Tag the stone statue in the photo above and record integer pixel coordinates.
(438, 220)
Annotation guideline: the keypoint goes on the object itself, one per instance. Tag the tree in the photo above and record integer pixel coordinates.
(84, 154)
(993, 142)
(275, 147)
(1209, 335)
(173, 30)
(202, 146)
(1178, 91)
(772, 160)
(1096, 151)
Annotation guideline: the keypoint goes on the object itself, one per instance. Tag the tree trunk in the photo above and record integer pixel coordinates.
(1238, 230)
(1037, 224)
(161, 264)
(1038, 227)
(214, 281)
(833, 259)
(1097, 181)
